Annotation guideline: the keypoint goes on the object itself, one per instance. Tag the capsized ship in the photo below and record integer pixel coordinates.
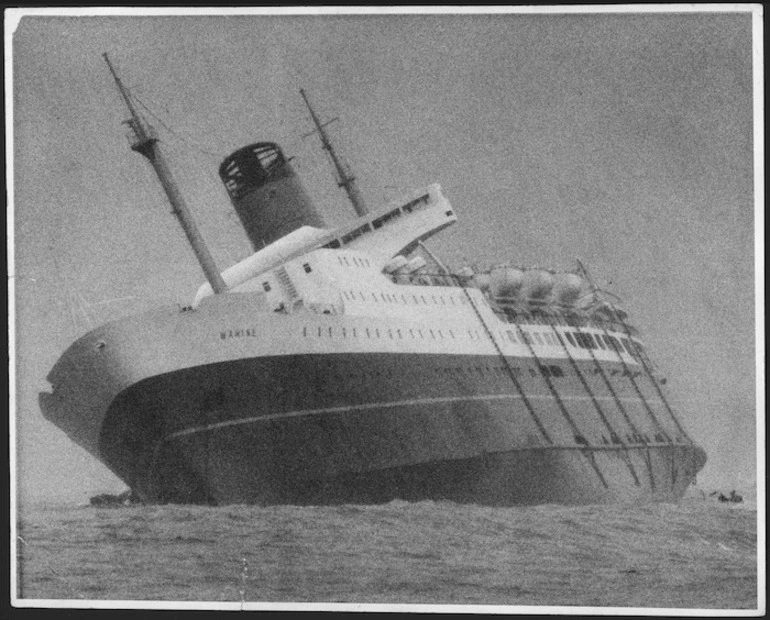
(349, 365)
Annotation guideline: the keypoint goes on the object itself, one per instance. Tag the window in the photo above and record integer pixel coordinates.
(356, 233)
(628, 346)
(266, 286)
(585, 340)
(537, 338)
(416, 204)
(511, 336)
(386, 218)
(569, 337)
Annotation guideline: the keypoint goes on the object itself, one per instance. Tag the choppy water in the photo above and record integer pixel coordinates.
(698, 554)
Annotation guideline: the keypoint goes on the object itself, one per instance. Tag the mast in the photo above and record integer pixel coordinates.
(344, 178)
(145, 141)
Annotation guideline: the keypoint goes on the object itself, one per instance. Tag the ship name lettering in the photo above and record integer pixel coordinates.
(238, 333)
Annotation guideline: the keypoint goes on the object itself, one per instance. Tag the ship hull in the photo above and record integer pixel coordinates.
(186, 408)
(320, 429)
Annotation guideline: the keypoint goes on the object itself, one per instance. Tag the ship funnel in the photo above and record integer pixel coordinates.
(266, 193)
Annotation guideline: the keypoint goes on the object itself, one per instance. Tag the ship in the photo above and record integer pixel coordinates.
(351, 365)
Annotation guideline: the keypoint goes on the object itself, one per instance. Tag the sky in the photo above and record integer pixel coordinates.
(625, 140)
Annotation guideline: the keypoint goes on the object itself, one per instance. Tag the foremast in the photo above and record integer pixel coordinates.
(145, 142)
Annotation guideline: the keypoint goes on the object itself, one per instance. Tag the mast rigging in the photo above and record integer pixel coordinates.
(145, 141)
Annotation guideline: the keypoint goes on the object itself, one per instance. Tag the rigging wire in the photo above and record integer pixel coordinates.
(204, 161)
(187, 141)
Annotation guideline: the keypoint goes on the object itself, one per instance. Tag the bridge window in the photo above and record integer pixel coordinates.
(416, 204)
(386, 218)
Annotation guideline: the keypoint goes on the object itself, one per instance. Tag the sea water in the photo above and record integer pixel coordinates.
(698, 554)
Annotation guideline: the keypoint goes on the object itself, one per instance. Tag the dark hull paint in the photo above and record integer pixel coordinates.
(363, 428)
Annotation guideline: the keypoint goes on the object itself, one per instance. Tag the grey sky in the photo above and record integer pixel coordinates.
(625, 140)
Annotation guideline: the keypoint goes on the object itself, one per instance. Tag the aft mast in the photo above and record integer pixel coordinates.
(145, 141)
(344, 179)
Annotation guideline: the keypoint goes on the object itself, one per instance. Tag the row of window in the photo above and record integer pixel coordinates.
(377, 223)
(603, 341)
(576, 339)
(357, 262)
(438, 334)
(582, 340)
(375, 332)
(393, 298)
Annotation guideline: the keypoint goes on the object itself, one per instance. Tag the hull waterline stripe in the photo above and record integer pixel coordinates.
(368, 406)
